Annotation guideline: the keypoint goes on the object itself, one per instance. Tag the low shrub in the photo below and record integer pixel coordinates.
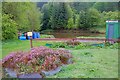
(59, 45)
(36, 60)
(112, 46)
(72, 42)
(9, 28)
(68, 44)
(81, 46)
(78, 45)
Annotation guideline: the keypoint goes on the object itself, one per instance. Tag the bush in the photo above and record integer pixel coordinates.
(81, 46)
(112, 46)
(72, 42)
(36, 60)
(59, 45)
(9, 28)
(78, 45)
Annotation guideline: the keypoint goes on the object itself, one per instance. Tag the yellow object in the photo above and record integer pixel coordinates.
(29, 33)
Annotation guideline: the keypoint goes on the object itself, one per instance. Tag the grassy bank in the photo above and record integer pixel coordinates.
(88, 63)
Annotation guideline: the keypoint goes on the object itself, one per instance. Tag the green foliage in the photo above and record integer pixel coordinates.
(106, 6)
(70, 24)
(68, 44)
(46, 10)
(110, 15)
(83, 21)
(26, 14)
(72, 43)
(0, 21)
(66, 15)
(77, 45)
(93, 17)
(0, 26)
(78, 6)
(81, 46)
(112, 46)
(9, 27)
(59, 45)
(89, 18)
(76, 21)
(56, 15)
(61, 15)
(34, 17)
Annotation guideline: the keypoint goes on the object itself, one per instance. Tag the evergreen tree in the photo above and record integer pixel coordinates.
(46, 19)
(89, 18)
(106, 6)
(70, 24)
(60, 16)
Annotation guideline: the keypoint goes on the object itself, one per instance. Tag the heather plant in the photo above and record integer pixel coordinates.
(36, 60)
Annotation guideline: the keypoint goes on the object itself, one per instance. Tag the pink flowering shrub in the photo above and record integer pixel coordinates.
(36, 60)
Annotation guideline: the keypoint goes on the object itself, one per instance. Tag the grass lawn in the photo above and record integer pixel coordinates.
(0, 49)
(88, 63)
(91, 63)
(17, 45)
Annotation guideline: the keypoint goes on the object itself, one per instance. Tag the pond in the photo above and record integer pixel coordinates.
(73, 33)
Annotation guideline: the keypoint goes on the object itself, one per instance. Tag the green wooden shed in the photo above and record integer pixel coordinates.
(112, 29)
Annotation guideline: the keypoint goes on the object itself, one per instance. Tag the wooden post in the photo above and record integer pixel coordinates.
(30, 35)
(31, 42)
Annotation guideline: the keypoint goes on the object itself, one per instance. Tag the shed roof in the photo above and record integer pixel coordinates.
(112, 21)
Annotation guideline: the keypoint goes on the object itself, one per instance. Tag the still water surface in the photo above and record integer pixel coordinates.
(73, 33)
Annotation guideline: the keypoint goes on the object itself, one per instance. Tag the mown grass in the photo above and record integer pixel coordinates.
(0, 49)
(18, 45)
(88, 63)
(91, 63)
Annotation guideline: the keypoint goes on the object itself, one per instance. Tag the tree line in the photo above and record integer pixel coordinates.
(28, 16)
(78, 15)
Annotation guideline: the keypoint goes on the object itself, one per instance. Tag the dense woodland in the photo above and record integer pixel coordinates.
(27, 16)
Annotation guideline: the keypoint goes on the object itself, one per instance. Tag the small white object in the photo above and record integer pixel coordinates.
(115, 21)
(29, 33)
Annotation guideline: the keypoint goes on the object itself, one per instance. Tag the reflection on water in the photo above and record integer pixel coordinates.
(73, 33)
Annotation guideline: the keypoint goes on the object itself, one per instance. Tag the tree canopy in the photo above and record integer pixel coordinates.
(31, 16)
(26, 14)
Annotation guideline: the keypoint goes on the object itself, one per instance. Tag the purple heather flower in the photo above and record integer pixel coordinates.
(11, 55)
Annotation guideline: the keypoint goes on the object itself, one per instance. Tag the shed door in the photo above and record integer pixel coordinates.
(110, 31)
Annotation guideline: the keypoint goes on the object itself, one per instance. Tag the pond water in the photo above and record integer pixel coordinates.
(73, 33)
